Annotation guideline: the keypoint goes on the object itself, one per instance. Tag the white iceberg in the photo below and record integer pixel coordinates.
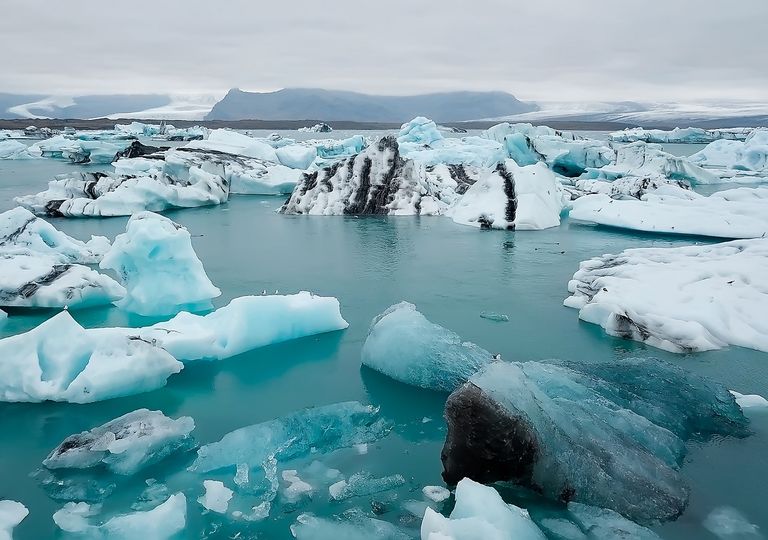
(750, 401)
(126, 444)
(11, 514)
(245, 323)
(32, 279)
(733, 213)
(61, 361)
(436, 493)
(232, 142)
(297, 156)
(694, 298)
(161, 523)
(480, 514)
(216, 497)
(512, 197)
(688, 135)
(100, 195)
(317, 128)
(407, 347)
(626, 187)
(735, 160)
(10, 149)
(19, 228)
(159, 268)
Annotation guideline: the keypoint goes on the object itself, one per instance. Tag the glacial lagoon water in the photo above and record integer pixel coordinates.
(452, 273)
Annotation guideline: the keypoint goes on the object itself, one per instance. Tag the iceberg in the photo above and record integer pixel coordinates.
(563, 152)
(61, 361)
(126, 444)
(297, 156)
(607, 434)
(421, 140)
(738, 161)
(14, 150)
(750, 401)
(216, 497)
(318, 429)
(101, 195)
(512, 198)
(355, 526)
(11, 514)
(678, 135)
(317, 128)
(628, 187)
(649, 161)
(232, 142)
(81, 151)
(159, 268)
(161, 523)
(32, 279)
(329, 151)
(480, 514)
(245, 323)
(404, 345)
(684, 299)
(733, 213)
(19, 228)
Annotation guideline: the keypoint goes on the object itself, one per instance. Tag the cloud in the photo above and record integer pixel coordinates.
(548, 50)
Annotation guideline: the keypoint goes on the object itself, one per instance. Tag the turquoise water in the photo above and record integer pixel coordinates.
(452, 273)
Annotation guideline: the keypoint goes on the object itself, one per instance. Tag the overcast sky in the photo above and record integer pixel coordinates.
(562, 50)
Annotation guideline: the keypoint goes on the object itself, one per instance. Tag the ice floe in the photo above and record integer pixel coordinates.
(161, 523)
(216, 497)
(61, 361)
(596, 432)
(317, 128)
(159, 268)
(693, 298)
(11, 514)
(10, 149)
(407, 347)
(126, 444)
(733, 213)
(480, 513)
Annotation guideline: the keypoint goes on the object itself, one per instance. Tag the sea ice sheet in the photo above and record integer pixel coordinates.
(693, 298)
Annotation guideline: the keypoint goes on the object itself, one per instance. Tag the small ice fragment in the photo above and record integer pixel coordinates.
(216, 497)
(750, 401)
(11, 514)
(362, 484)
(436, 493)
(297, 487)
(726, 523)
(361, 448)
(491, 316)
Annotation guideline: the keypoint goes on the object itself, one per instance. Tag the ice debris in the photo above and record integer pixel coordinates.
(727, 523)
(159, 268)
(11, 514)
(14, 150)
(480, 513)
(435, 493)
(750, 401)
(736, 160)
(362, 484)
(404, 345)
(354, 526)
(682, 299)
(678, 135)
(216, 497)
(126, 444)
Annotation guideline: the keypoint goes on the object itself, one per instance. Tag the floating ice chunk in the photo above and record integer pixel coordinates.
(512, 197)
(641, 160)
(689, 135)
(317, 128)
(750, 401)
(14, 150)
(216, 497)
(750, 155)
(564, 152)
(421, 140)
(231, 142)
(154, 494)
(126, 444)
(362, 484)
(491, 316)
(728, 523)
(100, 195)
(160, 523)
(480, 514)
(297, 488)
(245, 323)
(420, 130)
(48, 280)
(19, 228)
(665, 296)
(734, 213)
(11, 514)
(61, 361)
(404, 345)
(297, 156)
(159, 268)
(330, 151)
(355, 526)
(323, 428)
(628, 186)
(596, 433)
(435, 493)
(604, 524)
